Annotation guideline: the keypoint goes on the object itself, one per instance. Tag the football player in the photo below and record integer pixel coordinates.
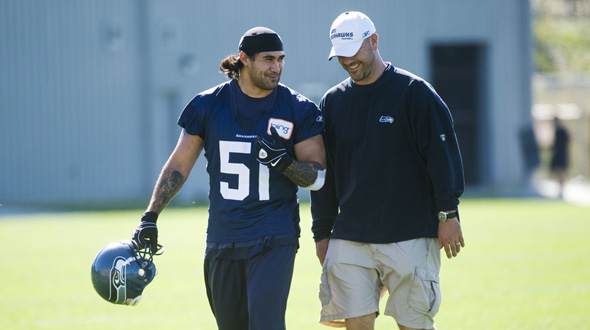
(262, 140)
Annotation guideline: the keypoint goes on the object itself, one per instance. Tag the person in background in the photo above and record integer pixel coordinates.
(560, 154)
(393, 182)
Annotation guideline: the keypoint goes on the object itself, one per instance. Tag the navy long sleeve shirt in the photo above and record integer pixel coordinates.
(393, 161)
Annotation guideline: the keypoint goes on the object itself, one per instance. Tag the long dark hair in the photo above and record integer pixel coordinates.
(231, 66)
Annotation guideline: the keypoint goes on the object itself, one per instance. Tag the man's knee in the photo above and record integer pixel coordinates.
(365, 322)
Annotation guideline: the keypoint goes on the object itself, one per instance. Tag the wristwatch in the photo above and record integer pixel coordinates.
(445, 216)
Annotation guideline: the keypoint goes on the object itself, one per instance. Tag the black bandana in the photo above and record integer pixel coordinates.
(260, 39)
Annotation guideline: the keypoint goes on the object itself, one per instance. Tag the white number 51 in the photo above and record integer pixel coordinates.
(242, 171)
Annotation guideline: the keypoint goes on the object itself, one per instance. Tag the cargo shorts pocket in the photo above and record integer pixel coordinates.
(425, 297)
(325, 290)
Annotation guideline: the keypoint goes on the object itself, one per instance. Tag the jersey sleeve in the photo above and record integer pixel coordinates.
(194, 116)
(191, 119)
(310, 121)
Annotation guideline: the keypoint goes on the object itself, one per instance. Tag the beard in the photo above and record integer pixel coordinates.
(366, 68)
(265, 81)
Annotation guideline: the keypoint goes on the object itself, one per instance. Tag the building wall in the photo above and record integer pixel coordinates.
(90, 90)
(68, 94)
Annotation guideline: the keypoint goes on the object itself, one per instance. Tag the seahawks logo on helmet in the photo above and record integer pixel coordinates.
(117, 292)
(121, 271)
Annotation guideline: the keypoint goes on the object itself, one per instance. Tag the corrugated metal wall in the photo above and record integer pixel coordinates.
(90, 90)
(69, 100)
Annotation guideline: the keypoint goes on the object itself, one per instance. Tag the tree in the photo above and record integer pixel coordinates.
(562, 41)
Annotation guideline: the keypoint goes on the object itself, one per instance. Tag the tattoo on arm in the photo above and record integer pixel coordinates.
(168, 186)
(303, 174)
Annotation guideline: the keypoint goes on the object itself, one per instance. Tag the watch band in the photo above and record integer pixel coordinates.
(445, 216)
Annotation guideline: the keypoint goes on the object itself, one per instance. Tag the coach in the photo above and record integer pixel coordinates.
(394, 178)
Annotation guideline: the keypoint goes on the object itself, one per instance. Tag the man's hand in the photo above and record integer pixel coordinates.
(146, 232)
(321, 249)
(273, 154)
(450, 237)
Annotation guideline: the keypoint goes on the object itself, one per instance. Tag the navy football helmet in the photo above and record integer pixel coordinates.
(122, 270)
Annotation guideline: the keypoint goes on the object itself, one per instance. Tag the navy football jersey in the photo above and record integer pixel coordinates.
(249, 201)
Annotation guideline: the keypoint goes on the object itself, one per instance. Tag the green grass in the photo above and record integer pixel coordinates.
(525, 266)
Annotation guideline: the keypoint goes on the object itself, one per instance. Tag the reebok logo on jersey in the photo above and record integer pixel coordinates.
(386, 119)
(283, 127)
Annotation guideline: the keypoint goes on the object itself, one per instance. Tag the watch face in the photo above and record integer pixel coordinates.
(442, 216)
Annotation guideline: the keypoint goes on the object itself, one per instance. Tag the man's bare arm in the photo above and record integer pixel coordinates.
(303, 174)
(310, 162)
(176, 171)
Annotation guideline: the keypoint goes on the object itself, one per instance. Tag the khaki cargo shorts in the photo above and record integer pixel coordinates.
(354, 275)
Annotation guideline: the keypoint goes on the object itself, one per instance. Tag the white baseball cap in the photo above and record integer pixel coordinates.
(348, 32)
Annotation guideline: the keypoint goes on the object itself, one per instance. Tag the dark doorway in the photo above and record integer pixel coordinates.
(458, 77)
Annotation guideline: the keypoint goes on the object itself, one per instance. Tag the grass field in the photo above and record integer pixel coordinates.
(525, 266)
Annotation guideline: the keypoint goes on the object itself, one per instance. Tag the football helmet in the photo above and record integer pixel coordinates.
(122, 270)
